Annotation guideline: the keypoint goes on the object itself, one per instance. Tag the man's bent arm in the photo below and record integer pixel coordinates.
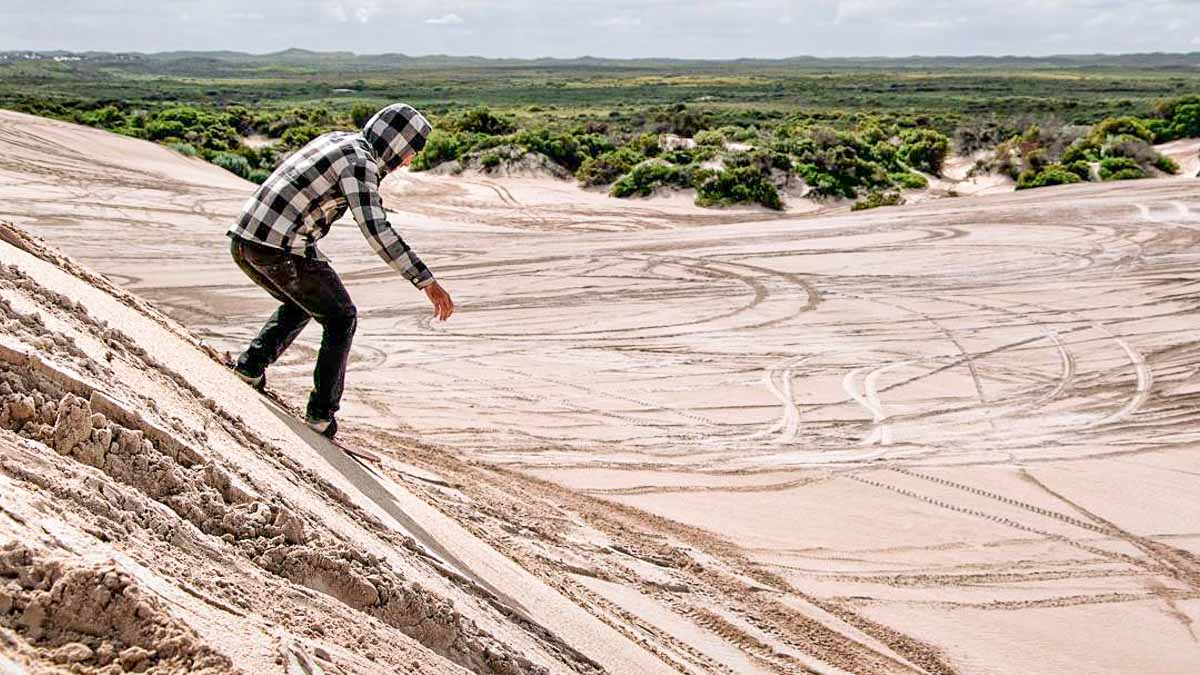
(360, 185)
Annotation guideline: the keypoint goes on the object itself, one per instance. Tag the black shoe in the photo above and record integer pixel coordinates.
(259, 383)
(327, 428)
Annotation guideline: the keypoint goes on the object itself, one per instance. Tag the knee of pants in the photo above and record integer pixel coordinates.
(345, 321)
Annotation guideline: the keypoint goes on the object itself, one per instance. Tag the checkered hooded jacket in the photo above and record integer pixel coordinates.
(341, 170)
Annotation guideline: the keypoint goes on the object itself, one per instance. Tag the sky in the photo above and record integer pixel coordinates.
(609, 28)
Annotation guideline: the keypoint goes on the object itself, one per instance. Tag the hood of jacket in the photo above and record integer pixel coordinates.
(396, 132)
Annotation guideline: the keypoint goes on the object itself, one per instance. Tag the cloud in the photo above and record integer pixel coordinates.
(622, 21)
(445, 20)
(850, 10)
(616, 28)
(336, 11)
(343, 11)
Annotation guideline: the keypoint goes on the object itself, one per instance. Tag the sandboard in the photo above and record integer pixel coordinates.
(284, 409)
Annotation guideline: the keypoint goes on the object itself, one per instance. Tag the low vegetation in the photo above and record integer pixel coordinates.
(1118, 148)
(750, 133)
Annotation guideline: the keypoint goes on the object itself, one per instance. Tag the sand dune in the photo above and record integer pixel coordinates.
(954, 437)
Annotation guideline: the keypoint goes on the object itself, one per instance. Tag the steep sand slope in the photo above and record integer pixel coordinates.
(955, 437)
(221, 532)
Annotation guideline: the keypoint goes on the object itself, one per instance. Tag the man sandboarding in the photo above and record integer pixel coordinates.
(274, 243)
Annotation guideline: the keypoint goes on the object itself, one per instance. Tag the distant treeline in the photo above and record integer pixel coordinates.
(393, 60)
(735, 131)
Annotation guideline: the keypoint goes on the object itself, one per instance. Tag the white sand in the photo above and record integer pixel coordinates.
(958, 436)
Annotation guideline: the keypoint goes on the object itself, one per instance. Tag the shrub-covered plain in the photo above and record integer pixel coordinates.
(734, 132)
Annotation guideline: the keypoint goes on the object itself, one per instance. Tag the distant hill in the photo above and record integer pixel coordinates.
(304, 57)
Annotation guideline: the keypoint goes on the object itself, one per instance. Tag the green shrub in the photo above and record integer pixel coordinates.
(1036, 160)
(1081, 150)
(1132, 147)
(682, 121)
(1128, 174)
(360, 113)
(258, 176)
(158, 130)
(681, 156)
(878, 198)
(711, 137)
(909, 180)
(1055, 174)
(594, 144)
(108, 117)
(562, 149)
(297, 137)
(644, 178)
(740, 185)
(1120, 126)
(1176, 118)
(480, 120)
(232, 163)
(440, 147)
(185, 149)
(838, 164)
(646, 145)
(490, 160)
(608, 167)
(1166, 165)
(1120, 168)
(1186, 121)
(1080, 168)
(740, 134)
(924, 150)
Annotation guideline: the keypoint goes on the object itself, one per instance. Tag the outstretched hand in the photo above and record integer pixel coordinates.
(443, 306)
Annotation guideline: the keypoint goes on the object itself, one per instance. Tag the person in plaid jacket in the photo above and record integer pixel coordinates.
(274, 243)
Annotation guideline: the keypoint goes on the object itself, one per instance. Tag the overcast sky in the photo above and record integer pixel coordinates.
(613, 28)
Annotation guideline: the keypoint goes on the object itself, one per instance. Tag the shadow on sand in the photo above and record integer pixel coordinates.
(368, 482)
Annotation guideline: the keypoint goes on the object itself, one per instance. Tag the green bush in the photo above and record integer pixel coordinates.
(740, 185)
(490, 161)
(682, 121)
(681, 156)
(1055, 174)
(1186, 121)
(1128, 174)
(838, 164)
(562, 149)
(924, 150)
(1120, 126)
(1080, 168)
(232, 163)
(108, 117)
(185, 149)
(608, 167)
(878, 198)
(298, 137)
(1036, 160)
(909, 180)
(1120, 168)
(158, 130)
(1166, 165)
(258, 176)
(711, 137)
(644, 178)
(594, 144)
(480, 120)
(361, 112)
(646, 145)
(1081, 150)
(1176, 118)
(440, 147)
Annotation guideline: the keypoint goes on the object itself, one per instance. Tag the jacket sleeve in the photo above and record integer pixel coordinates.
(360, 185)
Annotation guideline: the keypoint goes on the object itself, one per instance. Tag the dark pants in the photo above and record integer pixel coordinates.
(307, 289)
